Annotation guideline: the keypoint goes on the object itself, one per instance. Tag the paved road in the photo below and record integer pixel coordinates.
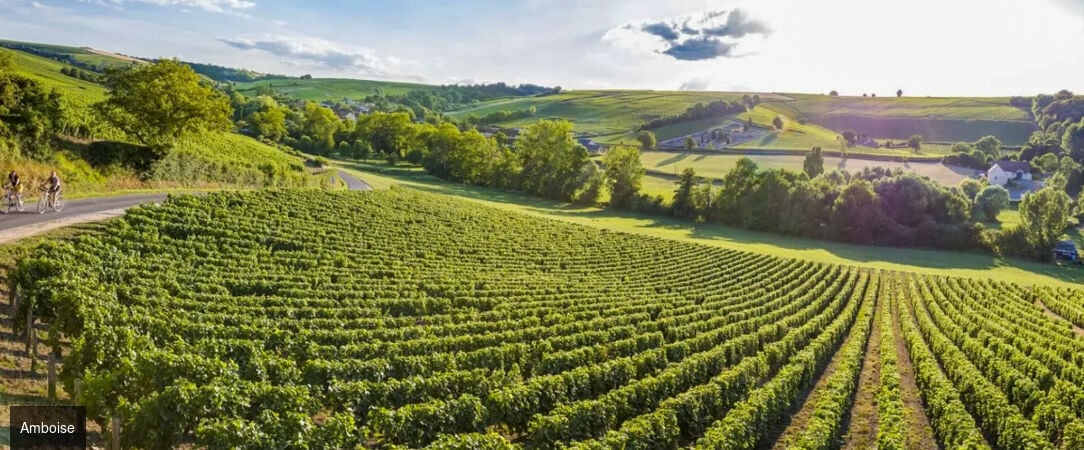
(354, 184)
(75, 211)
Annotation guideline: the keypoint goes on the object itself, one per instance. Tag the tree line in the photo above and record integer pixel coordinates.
(716, 108)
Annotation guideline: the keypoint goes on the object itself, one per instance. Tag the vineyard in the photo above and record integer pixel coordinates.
(399, 319)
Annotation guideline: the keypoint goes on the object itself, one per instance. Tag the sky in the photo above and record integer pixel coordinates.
(924, 47)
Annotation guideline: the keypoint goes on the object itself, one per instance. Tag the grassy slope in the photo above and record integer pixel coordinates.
(911, 260)
(608, 114)
(319, 89)
(613, 116)
(47, 72)
(716, 166)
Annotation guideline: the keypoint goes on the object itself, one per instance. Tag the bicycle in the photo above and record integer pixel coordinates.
(12, 200)
(56, 202)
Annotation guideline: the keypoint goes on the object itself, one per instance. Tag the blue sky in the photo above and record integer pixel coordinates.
(926, 47)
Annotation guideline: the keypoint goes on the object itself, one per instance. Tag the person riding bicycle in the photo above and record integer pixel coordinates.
(15, 185)
(52, 186)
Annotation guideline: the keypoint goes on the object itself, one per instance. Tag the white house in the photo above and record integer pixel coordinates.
(1004, 171)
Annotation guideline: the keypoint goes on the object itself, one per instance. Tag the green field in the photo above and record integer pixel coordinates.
(717, 165)
(47, 71)
(82, 54)
(320, 89)
(904, 259)
(600, 113)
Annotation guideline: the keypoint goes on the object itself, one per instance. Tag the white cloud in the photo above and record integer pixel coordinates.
(218, 6)
(695, 84)
(322, 52)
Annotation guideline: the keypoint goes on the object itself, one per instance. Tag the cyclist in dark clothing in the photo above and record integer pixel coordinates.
(15, 185)
(53, 186)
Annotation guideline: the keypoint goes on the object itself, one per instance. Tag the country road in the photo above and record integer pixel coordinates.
(16, 225)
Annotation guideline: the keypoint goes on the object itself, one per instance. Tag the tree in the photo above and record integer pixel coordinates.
(814, 163)
(1044, 215)
(899, 93)
(160, 103)
(856, 213)
(647, 140)
(990, 202)
(683, 196)
(593, 182)
(1073, 141)
(738, 183)
(552, 160)
(833, 94)
(690, 143)
(915, 142)
(320, 123)
(970, 187)
(778, 122)
(624, 174)
(850, 137)
(990, 145)
(1049, 162)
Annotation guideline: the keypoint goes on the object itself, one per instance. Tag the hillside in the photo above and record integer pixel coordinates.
(613, 116)
(47, 71)
(210, 160)
(84, 57)
(319, 89)
(420, 319)
(600, 113)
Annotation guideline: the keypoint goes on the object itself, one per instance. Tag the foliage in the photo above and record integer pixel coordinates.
(161, 103)
(624, 174)
(552, 160)
(814, 163)
(29, 114)
(915, 142)
(718, 108)
(1044, 216)
(647, 140)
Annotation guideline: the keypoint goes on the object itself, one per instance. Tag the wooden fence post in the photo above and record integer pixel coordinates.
(52, 376)
(14, 300)
(114, 435)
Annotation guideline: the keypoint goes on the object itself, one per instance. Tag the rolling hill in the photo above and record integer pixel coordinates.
(613, 116)
(319, 89)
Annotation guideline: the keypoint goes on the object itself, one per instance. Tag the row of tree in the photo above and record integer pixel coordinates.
(718, 108)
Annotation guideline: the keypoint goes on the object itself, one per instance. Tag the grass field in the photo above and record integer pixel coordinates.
(607, 114)
(90, 56)
(47, 72)
(911, 260)
(716, 166)
(319, 89)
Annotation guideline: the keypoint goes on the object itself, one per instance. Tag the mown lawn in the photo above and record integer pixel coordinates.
(935, 262)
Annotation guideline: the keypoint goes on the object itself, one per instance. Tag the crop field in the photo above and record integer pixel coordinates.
(321, 89)
(717, 165)
(249, 320)
(230, 158)
(602, 113)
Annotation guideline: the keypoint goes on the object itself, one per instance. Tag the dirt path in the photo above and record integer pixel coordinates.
(1079, 331)
(861, 421)
(808, 401)
(919, 432)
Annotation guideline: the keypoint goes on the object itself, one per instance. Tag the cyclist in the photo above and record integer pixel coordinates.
(15, 185)
(52, 187)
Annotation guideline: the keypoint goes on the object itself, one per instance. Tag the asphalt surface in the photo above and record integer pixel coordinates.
(82, 207)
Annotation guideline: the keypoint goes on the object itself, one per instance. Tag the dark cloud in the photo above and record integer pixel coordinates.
(700, 48)
(661, 29)
(707, 35)
(738, 25)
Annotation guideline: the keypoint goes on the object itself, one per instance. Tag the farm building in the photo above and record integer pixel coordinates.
(592, 147)
(1066, 250)
(1002, 172)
